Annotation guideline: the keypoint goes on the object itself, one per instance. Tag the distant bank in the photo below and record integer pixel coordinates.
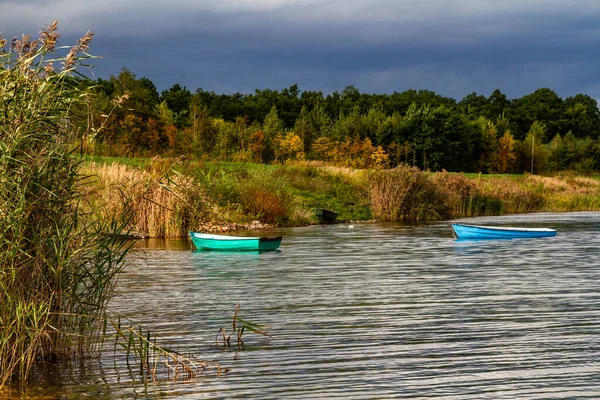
(171, 197)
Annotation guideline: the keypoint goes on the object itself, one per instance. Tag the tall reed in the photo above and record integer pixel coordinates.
(57, 263)
(465, 197)
(163, 203)
(520, 196)
(405, 194)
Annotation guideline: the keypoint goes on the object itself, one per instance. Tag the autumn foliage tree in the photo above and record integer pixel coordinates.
(416, 127)
(506, 153)
(288, 146)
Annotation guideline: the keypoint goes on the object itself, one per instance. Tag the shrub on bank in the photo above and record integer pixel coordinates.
(267, 199)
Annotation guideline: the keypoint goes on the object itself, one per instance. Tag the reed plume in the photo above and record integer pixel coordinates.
(57, 261)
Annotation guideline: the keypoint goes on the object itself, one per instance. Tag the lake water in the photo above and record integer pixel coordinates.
(370, 311)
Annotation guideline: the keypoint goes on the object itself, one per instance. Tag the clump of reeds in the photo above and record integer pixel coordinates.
(57, 264)
(405, 194)
(164, 203)
(516, 197)
(464, 196)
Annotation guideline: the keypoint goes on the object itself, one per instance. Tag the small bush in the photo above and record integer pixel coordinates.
(266, 198)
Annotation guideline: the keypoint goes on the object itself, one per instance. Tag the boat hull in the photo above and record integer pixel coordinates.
(234, 243)
(325, 216)
(495, 232)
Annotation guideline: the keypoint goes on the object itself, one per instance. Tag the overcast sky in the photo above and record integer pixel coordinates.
(453, 47)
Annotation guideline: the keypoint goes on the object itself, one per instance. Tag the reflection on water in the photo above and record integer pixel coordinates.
(375, 311)
(163, 244)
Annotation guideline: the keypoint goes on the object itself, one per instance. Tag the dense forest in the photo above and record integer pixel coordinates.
(539, 132)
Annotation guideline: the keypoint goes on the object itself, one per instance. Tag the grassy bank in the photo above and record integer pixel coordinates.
(172, 196)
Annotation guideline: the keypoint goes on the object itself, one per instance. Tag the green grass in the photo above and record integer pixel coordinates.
(472, 175)
(310, 187)
(316, 187)
(346, 210)
(237, 168)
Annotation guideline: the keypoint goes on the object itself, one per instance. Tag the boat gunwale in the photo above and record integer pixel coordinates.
(209, 236)
(503, 228)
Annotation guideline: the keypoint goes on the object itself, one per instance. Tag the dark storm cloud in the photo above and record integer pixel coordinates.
(451, 47)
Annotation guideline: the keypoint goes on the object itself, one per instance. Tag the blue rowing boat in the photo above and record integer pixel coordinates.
(204, 241)
(499, 232)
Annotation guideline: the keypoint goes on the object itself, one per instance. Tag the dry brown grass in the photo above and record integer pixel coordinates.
(163, 205)
(355, 174)
(566, 193)
(550, 184)
(405, 194)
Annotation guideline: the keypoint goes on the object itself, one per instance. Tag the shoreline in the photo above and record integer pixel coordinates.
(233, 197)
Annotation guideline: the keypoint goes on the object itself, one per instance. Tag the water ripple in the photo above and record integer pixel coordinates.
(383, 311)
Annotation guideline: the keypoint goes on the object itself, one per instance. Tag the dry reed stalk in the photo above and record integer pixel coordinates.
(57, 263)
(163, 206)
(405, 194)
(238, 327)
(516, 198)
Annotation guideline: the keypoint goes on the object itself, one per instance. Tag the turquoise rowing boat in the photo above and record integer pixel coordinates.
(499, 232)
(204, 241)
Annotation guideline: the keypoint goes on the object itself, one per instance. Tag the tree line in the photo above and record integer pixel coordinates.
(538, 132)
